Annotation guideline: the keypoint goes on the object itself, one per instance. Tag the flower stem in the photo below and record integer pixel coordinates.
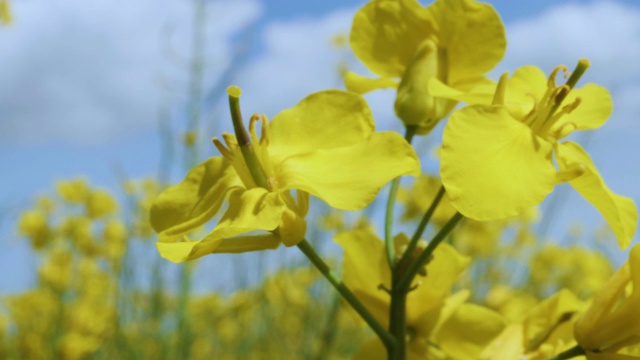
(423, 225)
(386, 338)
(398, 317)
(388, 222)
(415, 267)
(571, 353)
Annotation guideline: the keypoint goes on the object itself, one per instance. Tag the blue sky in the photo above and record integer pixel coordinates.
(82, 83)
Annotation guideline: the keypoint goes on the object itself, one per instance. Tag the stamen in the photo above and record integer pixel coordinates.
(531, 116)
(567, 109)
(264, 135)
(564, 130)
(230, 140)
(222, 149)
(498, 97)
(551, 82)
(252, 127)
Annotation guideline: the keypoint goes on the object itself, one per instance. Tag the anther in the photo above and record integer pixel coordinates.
(223, 150)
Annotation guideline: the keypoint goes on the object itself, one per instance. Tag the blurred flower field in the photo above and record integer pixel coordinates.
(469, 272)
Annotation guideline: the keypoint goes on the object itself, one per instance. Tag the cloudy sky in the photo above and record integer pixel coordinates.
(83, 85)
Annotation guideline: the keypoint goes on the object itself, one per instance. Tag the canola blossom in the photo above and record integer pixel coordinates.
(325, 146)
(5, 13)
(454, 41)
(432, 312)
(484, 285)
(611, 324)
(544, 331)
(498, 160)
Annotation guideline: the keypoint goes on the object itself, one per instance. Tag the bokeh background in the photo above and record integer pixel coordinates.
(106, 90)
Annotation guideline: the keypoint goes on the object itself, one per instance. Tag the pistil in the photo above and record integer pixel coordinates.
(244, 140)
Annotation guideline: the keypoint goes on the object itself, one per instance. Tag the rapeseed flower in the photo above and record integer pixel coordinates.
(325, 146)
(433, 314)
(454, 41)
(543, 332)
(5, 13)
(610, 327)
(498, 160)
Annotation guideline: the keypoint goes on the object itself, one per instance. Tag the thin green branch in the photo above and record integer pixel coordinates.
(317, 261)
(415, 267)
(388, 221)
(423, 224)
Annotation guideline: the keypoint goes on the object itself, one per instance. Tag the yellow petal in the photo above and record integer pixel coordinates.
(323, 120)
(492, 165)
(594, 109)
(508, 345)
(192, 202)
(414, 104)
(524, 90)
(250, 210)
(619, 212)
(545, 318)
(610, 322)
(429, 323)
(292, 226)
(365, 269)
(182, 251)
(385, 34)
(471, 35)
(349, 178)
(481, 92)
(469, 331)
(240, 244)
(362, 85)
(431, 291)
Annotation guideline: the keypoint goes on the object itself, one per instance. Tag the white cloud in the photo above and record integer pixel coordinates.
(86, 71)
(298, 59)
(605, 32)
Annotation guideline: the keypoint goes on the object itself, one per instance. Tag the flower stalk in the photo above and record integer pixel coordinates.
(386, 338)
(391, 201)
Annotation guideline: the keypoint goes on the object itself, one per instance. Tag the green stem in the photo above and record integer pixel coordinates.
(571, 353)
(415, 267)
(398, 316)
(388, 341)
(388, 222)
(423, 224)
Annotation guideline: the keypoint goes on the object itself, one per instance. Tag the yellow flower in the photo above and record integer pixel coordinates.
(34, 224)
(73, 191)
(497, 160)
(115, 234)
(5, 13)
(580, 270)
(431, 312)
(454, 41)
(545, 331)
(612, 321)
(100, 203)
(325, 146)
